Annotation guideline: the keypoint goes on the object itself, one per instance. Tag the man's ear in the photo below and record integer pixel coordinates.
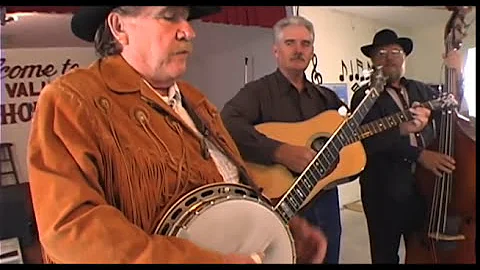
(313, 53)
(275, 50)
(116, 23)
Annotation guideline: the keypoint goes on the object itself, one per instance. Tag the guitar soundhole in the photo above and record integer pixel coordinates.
(317, 145)
(176, 213)
(190, 201)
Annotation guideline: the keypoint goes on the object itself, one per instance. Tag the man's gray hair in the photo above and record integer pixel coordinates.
(292, 20)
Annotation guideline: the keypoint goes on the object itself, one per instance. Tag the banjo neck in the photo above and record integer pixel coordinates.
(292, 201)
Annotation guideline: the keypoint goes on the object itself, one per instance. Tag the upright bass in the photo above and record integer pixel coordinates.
(448, 236)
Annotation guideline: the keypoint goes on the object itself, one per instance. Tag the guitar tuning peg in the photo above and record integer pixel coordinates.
(343, 111)
(367, 72)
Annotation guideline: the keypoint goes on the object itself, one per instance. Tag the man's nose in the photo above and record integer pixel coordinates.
(390, 56)
(298, 47)
(186, 31)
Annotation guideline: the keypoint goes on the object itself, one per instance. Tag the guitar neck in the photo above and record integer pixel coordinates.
(385, 123)
(318, 168)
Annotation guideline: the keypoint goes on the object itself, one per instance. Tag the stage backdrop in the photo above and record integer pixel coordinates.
(24, 72)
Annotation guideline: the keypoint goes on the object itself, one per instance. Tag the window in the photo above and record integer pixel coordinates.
(469, 82)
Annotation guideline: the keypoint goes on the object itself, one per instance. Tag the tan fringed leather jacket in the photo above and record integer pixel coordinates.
(104, 165)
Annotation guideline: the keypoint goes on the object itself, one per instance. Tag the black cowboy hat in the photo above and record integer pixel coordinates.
(86, 20)
(387, 37)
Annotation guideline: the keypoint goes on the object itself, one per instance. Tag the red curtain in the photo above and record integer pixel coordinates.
(263, 16)
(42, 9)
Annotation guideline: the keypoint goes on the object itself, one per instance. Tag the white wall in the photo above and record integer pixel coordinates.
(217, 65)
(339, 36)
(21, 93)
(426, 59)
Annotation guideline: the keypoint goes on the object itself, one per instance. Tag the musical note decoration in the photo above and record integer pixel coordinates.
(355, 87)
(359, 70)
(344, 71)
(357, 76)
(316, 76)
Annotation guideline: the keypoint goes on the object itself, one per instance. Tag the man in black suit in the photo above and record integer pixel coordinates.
(392, 205)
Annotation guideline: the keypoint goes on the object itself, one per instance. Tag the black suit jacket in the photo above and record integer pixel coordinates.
(390, 155)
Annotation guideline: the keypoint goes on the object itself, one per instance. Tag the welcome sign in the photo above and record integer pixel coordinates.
(24, 73)
(26, 81)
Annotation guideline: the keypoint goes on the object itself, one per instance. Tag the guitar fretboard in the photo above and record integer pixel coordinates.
(384, 123)
(325, 158)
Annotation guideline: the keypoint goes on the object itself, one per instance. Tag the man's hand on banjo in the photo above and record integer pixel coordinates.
(310, 242)
(310, 245)
(255, 258)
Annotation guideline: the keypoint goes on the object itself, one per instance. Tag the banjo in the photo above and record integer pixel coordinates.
(234, 218)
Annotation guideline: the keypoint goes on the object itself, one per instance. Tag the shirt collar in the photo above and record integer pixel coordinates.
(403, 84)
(118, 75)
(174, 94)
(285, 86)
(173, 97)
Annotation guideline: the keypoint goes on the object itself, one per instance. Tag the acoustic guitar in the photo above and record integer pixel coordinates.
(340, 161)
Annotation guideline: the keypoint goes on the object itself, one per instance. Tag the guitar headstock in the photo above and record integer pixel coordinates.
(377, 79)
(445, 101)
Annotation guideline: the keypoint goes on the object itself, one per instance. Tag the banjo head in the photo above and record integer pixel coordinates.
(230, 218)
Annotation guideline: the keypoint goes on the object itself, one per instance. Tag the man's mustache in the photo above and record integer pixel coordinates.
(186, 47)
(298, 57)
(390, 64)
